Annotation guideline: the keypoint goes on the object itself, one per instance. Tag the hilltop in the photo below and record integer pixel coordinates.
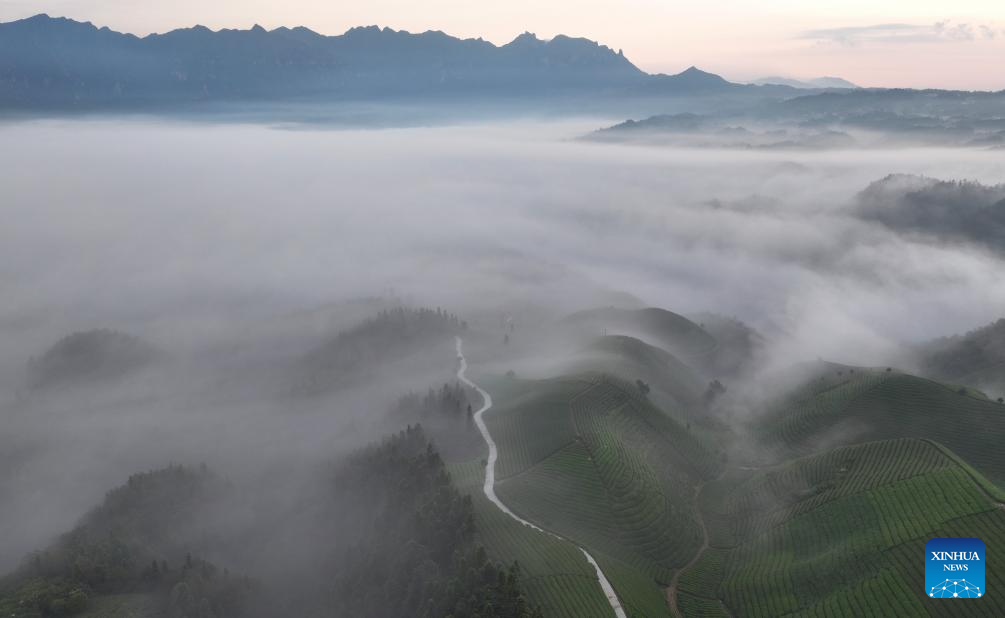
(968, 211)
(90, 356)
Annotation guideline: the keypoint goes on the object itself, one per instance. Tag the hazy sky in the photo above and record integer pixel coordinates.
(917, 43)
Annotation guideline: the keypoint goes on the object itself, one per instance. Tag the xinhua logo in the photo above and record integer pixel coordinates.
(954, 569)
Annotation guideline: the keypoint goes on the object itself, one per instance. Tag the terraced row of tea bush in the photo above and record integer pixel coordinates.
(988, 526)
(533, 424)
(825, 535)
(880, 406)
(555, 574)
(676, 388)
(638, 596)
(772, 497)
(623, 487)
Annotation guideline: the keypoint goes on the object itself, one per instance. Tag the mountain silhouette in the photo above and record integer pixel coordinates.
(46, 61)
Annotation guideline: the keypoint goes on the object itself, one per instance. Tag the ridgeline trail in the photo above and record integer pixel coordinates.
(490, 481)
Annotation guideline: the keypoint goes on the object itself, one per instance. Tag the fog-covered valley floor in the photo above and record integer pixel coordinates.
(188, 232)
(237, 250)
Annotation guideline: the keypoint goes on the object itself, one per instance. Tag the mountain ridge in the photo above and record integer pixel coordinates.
(57, 61)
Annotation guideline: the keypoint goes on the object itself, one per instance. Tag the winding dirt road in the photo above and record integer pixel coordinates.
(490, 481)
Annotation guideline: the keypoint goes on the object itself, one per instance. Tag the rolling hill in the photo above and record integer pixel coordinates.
(859, 467)
(818, 505)
(658, 327)
(92, 356)
(677, 389)
(867, 405)
(133, 553)
(589, 458)
(977, 357)
(841, 533)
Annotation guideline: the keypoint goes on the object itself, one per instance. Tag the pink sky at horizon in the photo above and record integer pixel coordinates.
(898, 43)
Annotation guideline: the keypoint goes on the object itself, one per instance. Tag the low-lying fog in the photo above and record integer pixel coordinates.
(232, 246)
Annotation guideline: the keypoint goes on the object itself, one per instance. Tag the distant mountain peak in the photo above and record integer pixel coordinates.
(815, 83)
(527, 39)
(59, 62)
(695, 76)
(364, 30)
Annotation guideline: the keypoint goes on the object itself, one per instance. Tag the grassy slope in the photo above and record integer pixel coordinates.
(876, 405)
(831, 534)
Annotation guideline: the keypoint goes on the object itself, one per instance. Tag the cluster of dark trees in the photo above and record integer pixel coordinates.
(964, 210)
(959, 357)
(390, 536)
(447, 416)
(714, 390)
(90, 355)
(120, 547)
(412, 551)
(358, 350)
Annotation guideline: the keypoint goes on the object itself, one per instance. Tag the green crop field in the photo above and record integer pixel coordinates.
(879, 405)
(557, 576)
(862, 467)
(676, 387)
(532, 425)
(612, 473)
(829, 534)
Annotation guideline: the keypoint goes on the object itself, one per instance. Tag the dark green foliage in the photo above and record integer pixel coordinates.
(412, 551)
(41, 597)
(976, 357)
(963, 210)
(126, 545)
(447, 417)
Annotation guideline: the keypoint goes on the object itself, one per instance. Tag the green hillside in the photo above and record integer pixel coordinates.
(877, 404)
(673, 332)
(131, 554)
(977, 358)
(676, 386)
(831, 534)
(555, 575)
(594, 461)
(868, 465)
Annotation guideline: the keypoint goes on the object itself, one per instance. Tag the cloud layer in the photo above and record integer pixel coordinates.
(905, 33)
(220, 243)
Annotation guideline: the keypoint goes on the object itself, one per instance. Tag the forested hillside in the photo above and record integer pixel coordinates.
(88, 357)
(132, 550)
(399, 540)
